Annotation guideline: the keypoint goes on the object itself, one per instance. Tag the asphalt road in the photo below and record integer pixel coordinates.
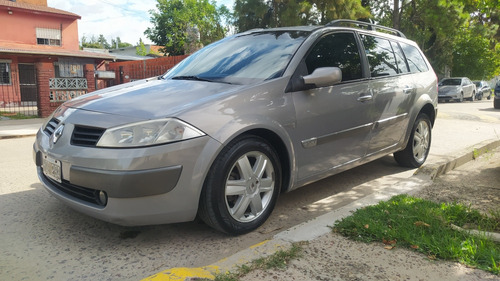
(41, 239)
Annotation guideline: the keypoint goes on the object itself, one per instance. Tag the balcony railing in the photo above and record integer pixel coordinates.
(64, 89)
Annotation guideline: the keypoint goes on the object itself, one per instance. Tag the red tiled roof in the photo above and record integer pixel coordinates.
(53, 52)
(35, 8)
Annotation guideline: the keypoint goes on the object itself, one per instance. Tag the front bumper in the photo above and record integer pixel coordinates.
(152, 185)
(119, 184)
(448, 96)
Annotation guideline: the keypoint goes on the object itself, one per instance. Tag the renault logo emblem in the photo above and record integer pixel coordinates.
(57, 134)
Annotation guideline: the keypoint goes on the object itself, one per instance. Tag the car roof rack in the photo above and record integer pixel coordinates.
(368, 25)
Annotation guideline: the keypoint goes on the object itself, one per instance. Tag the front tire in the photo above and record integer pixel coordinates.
(496, 103)
(242, 186)
(418, 146)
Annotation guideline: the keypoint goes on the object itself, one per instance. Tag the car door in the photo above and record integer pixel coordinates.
(468, 87)
(333, 123)
(393, 92)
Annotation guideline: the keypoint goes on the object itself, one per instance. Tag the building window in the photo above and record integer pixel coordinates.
(4, 73)
(48, 36)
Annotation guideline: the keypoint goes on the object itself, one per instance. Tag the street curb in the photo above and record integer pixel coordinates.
(320, 225)
(16, 136)
(449, 163)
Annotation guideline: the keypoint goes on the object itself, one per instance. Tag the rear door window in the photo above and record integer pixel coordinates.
(380, 56)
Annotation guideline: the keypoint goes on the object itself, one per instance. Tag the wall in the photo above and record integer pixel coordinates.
(135, 70)
(10, 93)
(20, 28)
(45, 71)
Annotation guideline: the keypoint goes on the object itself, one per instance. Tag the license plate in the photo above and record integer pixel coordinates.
(51, 168)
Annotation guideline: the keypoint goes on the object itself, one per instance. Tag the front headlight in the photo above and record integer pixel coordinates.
(148, 133)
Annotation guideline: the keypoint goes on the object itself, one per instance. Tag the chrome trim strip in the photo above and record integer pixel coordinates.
(390, 120)
(312, 142)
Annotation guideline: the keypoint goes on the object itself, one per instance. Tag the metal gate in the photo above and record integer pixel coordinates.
(28, 88)
(27, 82)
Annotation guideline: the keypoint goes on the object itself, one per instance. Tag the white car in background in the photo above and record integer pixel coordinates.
(458, 89)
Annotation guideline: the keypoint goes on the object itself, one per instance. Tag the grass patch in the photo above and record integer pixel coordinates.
(475, 154)
(280, 259)
(425, 226)
(16, 116)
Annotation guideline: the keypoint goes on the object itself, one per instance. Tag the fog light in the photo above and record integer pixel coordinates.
(102, 198)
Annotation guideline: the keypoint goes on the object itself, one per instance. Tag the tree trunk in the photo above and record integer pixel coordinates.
(395, 16)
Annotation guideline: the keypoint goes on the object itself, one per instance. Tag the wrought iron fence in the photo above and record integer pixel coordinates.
(17, 97)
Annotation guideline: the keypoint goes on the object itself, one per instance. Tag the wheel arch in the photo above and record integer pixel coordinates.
(430, 111)
(281, 150)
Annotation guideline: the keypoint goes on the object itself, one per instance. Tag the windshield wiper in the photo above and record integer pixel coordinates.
(197, 78)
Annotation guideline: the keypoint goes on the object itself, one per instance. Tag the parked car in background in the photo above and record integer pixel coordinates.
(458, 89)
(221, 134)
(496, 98)
(483, 89)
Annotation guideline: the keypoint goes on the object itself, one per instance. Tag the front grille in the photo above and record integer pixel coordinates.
(85, 194)
(86, 136)
(51, 126)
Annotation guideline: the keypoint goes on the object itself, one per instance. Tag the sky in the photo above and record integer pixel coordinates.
(114, 18)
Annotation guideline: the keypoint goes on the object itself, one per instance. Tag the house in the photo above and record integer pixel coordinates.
(41, 64)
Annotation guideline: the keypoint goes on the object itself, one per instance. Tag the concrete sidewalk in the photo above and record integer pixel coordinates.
(20, 128)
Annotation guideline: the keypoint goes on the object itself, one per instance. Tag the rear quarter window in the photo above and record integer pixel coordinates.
(414, 57)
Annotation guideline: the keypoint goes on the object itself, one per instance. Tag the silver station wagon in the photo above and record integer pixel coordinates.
(244, 119)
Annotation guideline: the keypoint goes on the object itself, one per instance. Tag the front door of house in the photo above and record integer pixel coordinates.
(27, 82)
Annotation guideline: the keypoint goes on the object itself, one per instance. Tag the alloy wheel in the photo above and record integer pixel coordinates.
(250, 186)
(421, 141)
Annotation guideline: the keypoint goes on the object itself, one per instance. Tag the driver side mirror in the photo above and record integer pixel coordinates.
(324, 77)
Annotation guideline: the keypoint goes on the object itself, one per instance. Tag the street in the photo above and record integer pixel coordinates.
(43, 239)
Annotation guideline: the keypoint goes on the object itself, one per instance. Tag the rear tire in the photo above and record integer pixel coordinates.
(473, 97)
(242, 186)
(418, 146)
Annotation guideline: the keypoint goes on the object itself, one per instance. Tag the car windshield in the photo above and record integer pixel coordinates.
(478, 84)
(241, 59)
(451, 82)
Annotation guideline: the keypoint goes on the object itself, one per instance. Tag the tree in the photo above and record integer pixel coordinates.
(117, 43)
(473, 57)
(451, 33)
(101, 42)
(140, 49)
(340, 9)
(175, 18)
(250, 14)
(90, 42)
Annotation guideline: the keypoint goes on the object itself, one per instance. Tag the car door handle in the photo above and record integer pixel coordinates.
(408, 90)
(365, 98)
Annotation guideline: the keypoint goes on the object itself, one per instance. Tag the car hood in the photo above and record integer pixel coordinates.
(151, 98)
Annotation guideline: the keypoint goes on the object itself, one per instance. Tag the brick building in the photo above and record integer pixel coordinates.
(41, 64)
